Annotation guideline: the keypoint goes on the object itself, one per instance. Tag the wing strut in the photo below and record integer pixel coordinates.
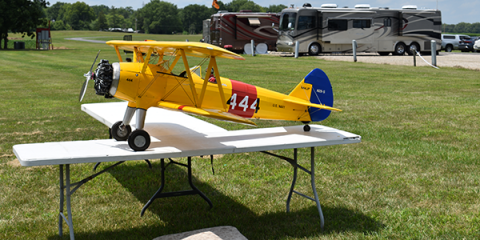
(147, 59)
(118, 53)
(190, 79)
(213, 64)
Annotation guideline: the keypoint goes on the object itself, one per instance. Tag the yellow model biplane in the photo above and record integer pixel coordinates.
(148, 80)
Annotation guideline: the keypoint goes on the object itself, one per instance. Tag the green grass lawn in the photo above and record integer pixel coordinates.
(416, 174)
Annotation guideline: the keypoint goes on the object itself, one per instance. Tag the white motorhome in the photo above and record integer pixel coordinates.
(330, 29)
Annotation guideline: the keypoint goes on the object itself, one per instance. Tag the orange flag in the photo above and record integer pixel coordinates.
(215, 4)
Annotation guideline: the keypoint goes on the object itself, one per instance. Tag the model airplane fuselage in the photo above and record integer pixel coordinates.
(144, 85)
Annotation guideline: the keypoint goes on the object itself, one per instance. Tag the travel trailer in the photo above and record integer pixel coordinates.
(330, 29)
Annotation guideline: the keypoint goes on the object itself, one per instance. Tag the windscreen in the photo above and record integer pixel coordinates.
(287, 21)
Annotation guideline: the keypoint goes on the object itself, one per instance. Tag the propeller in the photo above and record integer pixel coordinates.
(88, 76)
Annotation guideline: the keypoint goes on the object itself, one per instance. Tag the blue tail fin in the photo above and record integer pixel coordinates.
(321, 94)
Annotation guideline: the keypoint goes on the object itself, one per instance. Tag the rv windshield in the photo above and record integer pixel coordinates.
(287, 21)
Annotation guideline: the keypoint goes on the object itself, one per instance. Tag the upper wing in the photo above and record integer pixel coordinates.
(217, 114)
(194, 49)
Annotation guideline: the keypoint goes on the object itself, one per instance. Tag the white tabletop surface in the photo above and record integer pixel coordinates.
(175, 135)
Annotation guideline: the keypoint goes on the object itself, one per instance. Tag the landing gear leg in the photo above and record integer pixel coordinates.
(121, 129)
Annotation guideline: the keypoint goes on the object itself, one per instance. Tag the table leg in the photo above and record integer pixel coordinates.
(63, 190)
(193, 191)
(312, 180)
(295, 170)
(60, 214)
(311, 172)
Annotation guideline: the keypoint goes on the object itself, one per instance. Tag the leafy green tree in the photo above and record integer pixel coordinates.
(250, 5)
(116, 20)
(125, 12)
(79, 15)
(238, 5)
(56, 11)
(275, 8)
(97, 9)
(101, 22)
(448, 28)
(58, 25)
(20, 16)
(475, 28)
(193, 16)
(462, 27)
(160, 17)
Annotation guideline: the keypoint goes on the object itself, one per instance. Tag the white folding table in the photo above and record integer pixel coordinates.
(175, 135)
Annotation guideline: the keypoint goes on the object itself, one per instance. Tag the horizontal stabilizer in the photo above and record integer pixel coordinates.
(206, 113)
(305, 103)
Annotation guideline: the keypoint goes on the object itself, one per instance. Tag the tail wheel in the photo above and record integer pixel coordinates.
(120, 133)
(139, 140)
(399, 49)
(306, 128)
(314, 49)
(412, 48)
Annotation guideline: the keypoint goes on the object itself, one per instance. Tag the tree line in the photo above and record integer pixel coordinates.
(462, 27)
(158, 17)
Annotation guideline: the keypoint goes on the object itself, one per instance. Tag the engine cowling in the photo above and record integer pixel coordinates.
(104, 77)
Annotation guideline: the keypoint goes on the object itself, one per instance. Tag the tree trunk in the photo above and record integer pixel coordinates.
(5, 40)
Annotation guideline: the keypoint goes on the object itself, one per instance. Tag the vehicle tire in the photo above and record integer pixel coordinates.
(383, 53)
(306, 128)
(314, 49)
(399, 49)
(139, 140)
(412, 48)
(119, 134)
(448, 48)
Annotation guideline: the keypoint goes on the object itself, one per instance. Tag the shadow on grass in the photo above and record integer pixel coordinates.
(187, 213)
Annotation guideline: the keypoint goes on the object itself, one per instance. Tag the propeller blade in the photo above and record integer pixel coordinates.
(88, 76)
(94, 61)
(83, 90)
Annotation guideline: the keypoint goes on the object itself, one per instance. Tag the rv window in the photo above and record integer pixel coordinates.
(306, 22)
(337, 24)
(387, 22)
(287, 21)
(363, 23)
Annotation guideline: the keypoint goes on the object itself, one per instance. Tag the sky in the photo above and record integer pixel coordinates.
(453, 12)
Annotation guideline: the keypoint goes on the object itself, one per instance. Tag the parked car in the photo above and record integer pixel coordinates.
(455, 42)
(470, 42)
(476, 46)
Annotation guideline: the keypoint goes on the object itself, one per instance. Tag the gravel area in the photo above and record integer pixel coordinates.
(444, 59)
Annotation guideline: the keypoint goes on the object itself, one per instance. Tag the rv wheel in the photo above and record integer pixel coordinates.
(314, 49)
(413, 47)
(399, 49)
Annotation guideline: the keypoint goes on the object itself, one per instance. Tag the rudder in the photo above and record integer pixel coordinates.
(321, 93)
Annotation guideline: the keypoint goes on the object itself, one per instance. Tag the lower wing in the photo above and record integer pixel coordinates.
(206, 113)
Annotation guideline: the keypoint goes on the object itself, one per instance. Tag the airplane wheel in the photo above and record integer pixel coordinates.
(139, 140)
(119, 134)
(306, 128)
